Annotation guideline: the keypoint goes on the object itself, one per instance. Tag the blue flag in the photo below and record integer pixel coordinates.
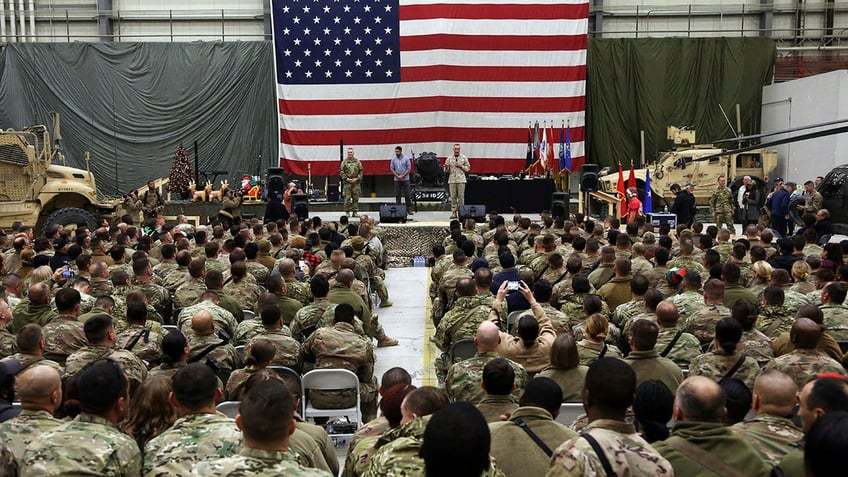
(647, 204)
(568, 148)
(562, 149)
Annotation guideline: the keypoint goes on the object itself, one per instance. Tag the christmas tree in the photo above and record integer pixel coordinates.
(181, 175)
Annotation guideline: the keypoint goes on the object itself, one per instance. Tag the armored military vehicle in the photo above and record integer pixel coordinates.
(38, 192)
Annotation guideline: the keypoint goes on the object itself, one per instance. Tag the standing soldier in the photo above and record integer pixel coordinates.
(132, 204)
(351, 174)
(812, 199)
(721, 205)
(152, 201)
(456, 166)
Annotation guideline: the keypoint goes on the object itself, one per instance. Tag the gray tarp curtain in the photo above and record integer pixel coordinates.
(648, 84)
(132, 104)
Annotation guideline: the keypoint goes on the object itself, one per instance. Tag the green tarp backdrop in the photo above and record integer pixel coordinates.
(648, 84)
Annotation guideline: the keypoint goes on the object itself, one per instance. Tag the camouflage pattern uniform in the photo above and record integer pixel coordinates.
(88, 445)
(627, 310)
(258, 463)
(601, 275)
(468, 312)
(28, 360)
(626, 451)
(259, 271)
(771, 436)
(757, 346)
(238, 378)
(165, 370)
(775, 319)
(836, 321)
(702, 323)
(572, 306)
(563, 289)
(814, 297)
(446, 289)
(63, 336)
(19, 431)
(688, 303)
(164, 269)
(684, 351)
(26, 313)
(559, 320)
(288, 308)
(193, 438)
(244, 292)
(463, 379)
(288, 349)
(226, 355)
(311, 315)
(804, 364)
(298, 290)
(351, 168)
(341, 294)
(794, 300)
(589, 351)
(340, 347)
(689, 263)
(8, 343)
(223, 319)
(132, 366)
(716, 364)
(658, 281)
(189, 292)
(641, 265)
(148, 343)
(157, 296)
(100, 287)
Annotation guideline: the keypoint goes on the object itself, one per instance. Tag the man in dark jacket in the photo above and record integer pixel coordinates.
(778, 205)
(8, 369)
(684, 204)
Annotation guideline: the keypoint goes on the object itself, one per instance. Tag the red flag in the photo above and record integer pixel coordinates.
(631, 181)
(622, 206)
(551, 163)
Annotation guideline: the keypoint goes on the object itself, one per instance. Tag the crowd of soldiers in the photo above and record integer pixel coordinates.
(118, 343)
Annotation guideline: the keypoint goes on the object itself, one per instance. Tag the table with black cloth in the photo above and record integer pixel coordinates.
(508, 196)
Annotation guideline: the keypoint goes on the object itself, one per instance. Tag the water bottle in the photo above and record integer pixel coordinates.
(665, 209)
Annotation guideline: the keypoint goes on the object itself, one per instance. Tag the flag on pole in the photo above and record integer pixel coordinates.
(536, 141)
(622, 197)
(543, 149)
(647, 204)
(568, 164)
(562, 165)
(551, 163)
(529, 160)
(631, 181)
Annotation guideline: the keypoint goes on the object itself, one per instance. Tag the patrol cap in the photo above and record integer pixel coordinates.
(264, 246)
(8, 368)
(779, 179)
(479, 263)
(300, 242)
(358, 243)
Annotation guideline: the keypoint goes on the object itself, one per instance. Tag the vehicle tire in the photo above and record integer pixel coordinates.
(417, 179)
(71, 216)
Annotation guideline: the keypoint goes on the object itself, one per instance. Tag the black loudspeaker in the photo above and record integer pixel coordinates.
(476, 212)
(589, 177)
(393, 213)
(300, 205)
(275, 183)
(559, 205)
(333, 194)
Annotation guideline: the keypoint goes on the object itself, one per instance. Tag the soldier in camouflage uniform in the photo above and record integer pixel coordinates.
(40, 392)
(691, 300)
(101, 344)
(341, 347)
(605, 270)
(375, 274)
(611, 384)
(834, 310)
(157, 296)
(627, 310)
(91, 444)
(805, 361)
(721, 205)
(753, 343)
(8, 346)
(774, 318)
(264, 398)
(702, 323)
(719, 363)
(771, 434)
(189, 292)
(639, 265)
(350, 173)
(288, 349)
(294, 288)
(559, 320)
(687, 260)
(140, 339)
(463, 379)
(245, 292)
(64, 335)
(259, 271)
(459, 323)
(177, 276)
(314, 314)
(686, 346)
(206, 346)
(31, 344)
(35, 308)
(199, 434)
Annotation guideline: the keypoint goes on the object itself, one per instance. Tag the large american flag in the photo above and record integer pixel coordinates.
(376, 74)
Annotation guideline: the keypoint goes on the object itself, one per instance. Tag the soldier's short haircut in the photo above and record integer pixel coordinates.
(773, 295)
(639, 285)
(780, 277)
(425, 401)
(12, 280)
(263, 398)
(271, 315)
(810, 311)
(579, 244)
(711, 258)
(653, 298)
(275, 283)
(740, 248)
(573, 265)
(209, 295)
(661, 255)
(210, 249)
(183, 258)
(498, 377)
(611, 384)
(757, 253)
(829, 394)
(97, 327)
(483, 277)
(644, 333)
(692, 280)
(738, 399)
(116, 252)
(393, 376)
(39, 293)
(237, 255)
(701, 405)
(140, 266)
(345, 276)
(173, 346)
(136, 312)
(456, 442)
(29, 337)
(825, 444)
(714, 289)
(214, 280)
(136, 296)
(465, 287)
(238, 270)
(544, 393)
(344, 313)
(100, 385)
(105, 302)
(542, 290)
(507, 259)
(67, 299)
(728, 332)
(592, 304)
(731, 272)
(195, 385)
(196, 267)
(120, 278)
(580, 284)
(836, 291)
(319, 285)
